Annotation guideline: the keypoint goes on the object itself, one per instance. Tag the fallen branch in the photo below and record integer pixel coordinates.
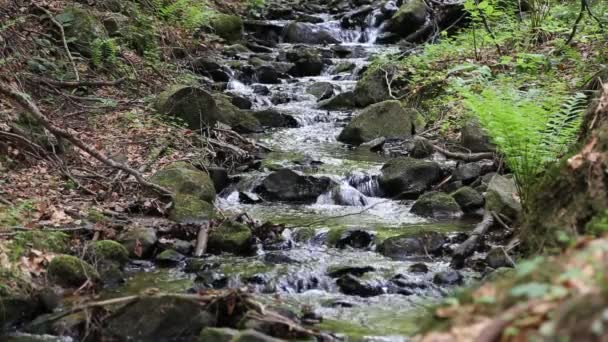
(468, 247)
(389, 85)
(78, 84)
(468, 157)
(24, 101)
(65, 42)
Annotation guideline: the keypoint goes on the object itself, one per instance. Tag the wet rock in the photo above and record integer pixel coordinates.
(497, 258)
(209, 67)
(372, 87)
(406, 246)
(190, 209)
(474, 138)
(437, 205)
(231, 237)
(210, 280)
(70, 271)
(108, 252)
(347, 51)
(410, 17)
(246, 197)
(448, 278)
(267, 75)
(356, 18)
(290, 186)
(169, 257)
(306, 33)
(306, 62)
(198, 109)
(180, 246)
(421, 148)
(139, 241)
(229, 27)
(343, 194)
(162, 318)
(278, 258)
(354, 286)
(219, 176)
(385, 119)
(82, 28)
(254, 336)
(343, 100)
(182, 177)
(344, 67)
(241, 102)
(271, 117)
(407, 177)
(374, 145)
(467, 173)
(468, 199)
(260, 89)
(357, 271)
(502, 197)
(322, 90)
(217, 335)
(419, 268)
(338, 303)
(356, 238)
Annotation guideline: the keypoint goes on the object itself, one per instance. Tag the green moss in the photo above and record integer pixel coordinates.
(54, 242)
(70, 271)
(14, 283)
(96, 216)
(230, 237)
(82, 28)
(183, 178)
(229, 27)
(187, 208)
(15, 215)
(109, 251)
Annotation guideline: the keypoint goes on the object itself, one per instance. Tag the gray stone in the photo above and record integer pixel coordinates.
(407, 178)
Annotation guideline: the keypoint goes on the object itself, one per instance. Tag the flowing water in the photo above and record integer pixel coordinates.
(298, 276)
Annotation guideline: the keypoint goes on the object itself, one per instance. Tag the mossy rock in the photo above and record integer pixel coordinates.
(183, 178)
(109, 251)
(194, 106)
(385, 119)
(54, 242)
(229, 27)
(231, 237)
(343, 100)
(468, 198)
(139, 241)
(437, 205)
(372, 88)
(410, 17)
(81, 28)
(187, 208)
(239, 120)
(217, 335)
(70, 271)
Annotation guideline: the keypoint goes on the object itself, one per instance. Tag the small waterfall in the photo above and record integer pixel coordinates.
(365, 183)
(239, 87)
(343, 194)
(373, 23)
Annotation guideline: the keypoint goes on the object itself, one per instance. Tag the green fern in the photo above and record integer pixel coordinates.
(529, 132)
(105, 52)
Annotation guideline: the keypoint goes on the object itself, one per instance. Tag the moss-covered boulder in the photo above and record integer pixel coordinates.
(407, 178)
(306, 62)
(70, 271)
(231, 237)
(188, 208)
(183, 178)
(410, 17)
(502, 197)
(82, 28)
(159, 318)
(198, 108)
(343, 100)
(139, 241)
(407, 246)
(229, 27)
(109, 251)
(217, 335)
(17, 302)
(468, 199)
(437, 205)
(372, 87)
(385, 119)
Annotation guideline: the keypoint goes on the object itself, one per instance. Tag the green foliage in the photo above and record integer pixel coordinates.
(256, 5)
(190, 14)
(104, 52)
(528, 127)
(17, 214)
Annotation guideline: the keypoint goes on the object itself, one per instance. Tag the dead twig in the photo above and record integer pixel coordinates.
(468, 157)
(78, 84)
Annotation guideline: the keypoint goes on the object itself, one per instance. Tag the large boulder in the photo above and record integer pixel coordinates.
(306, 33)
(343, 100)
(385, 119)
(407, 178)
(229, 27)
(410, 17)
(290, 186)
(70, 271)
(182, 177)
(372, 87)
(474, 138)
(306, 62)
(159, 318)
(231, 237)
(408, 246)
(502, 197)
(468, 199)
(437, 205)
(82, 29)
(197, 108)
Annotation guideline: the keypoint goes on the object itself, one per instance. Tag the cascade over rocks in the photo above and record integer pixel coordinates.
(306, 33)
(385, 119)
(271, 117)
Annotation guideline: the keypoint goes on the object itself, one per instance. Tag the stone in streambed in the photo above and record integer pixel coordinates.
(502, 197)
(407, 177)
(306, 62)
(343, 100)
(169, 257)
(448, 278)
(290, 186)
(109, 251)
(306, 33)
(273, 118)
(70, 271)
(385, 119)
(139, 241)
(497, 258)
(356, 238)
(321, 90)
(418, 268)
(352, 285)
(231, 237)
(410, 17)
(229, 27)
(372, 88)
(468, 199)
(467, 173)
(357, 271)
(474, 137)
(217, 335)
(437, 205)
(406, 246)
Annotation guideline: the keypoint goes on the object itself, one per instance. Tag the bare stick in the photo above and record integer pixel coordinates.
(468, 157)
(65, 43)
(23, 101)
(201, 240)
(71, 84)
(467, 248)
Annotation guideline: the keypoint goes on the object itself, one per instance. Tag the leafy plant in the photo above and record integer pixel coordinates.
(104, 52)
(530, 130)
(190, 14)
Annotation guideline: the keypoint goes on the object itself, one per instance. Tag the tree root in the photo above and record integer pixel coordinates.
(468, 157)
(468, 247)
